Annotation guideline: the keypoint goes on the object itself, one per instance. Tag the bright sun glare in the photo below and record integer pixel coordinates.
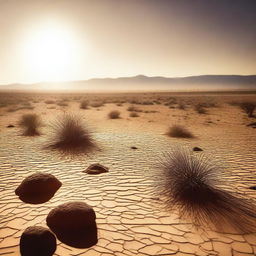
(51, 52)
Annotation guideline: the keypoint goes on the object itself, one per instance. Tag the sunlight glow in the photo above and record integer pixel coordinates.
(51, 52)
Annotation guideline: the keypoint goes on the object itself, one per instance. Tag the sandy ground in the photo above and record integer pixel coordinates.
(131, 218)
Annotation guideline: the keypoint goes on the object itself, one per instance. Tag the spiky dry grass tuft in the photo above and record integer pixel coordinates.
(30, 124)
(192, 185)
(70, 135)
(178, 131)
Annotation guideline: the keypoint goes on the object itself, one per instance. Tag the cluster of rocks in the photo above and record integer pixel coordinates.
(73, 223)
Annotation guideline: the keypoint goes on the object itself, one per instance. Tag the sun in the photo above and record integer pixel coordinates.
(51, 52)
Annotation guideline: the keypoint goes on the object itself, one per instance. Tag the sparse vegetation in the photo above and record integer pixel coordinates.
(178, 131)
(191, 184)
(147, 103)
(30, 124)
(200, 108)
(181, 106)
(134, 114)
(50, 102)
(133, 109)
(84, 104)
(70, 135)
(62, 103)
(97, 104)
(27, 106)
(115, 114)
(248, 107)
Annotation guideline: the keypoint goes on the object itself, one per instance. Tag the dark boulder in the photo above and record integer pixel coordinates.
(37, 241)
(38, 188)
(74, 224)
(96, 169)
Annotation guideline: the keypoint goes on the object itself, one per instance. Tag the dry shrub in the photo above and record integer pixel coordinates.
(115, 114)
(178, 131)
(133, 109)
(248, 107)
(70, 135)
(84, 104)
(191, 184)
(134, 114)
(200, 108)
(30, 124)
(182, 106)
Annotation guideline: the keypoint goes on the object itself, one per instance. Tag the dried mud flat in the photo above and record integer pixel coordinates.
(131, 218)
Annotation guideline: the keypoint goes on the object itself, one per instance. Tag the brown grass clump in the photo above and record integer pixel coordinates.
(191, 185)
(84, 104)
(115, 114)
(30, 124)
(248, 108)
(178, 131)
(200, 108)
(71, 135)
(134, 114)
(133, 109)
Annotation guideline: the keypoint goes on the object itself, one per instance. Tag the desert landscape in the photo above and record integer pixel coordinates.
(132, 133)
(127, 128)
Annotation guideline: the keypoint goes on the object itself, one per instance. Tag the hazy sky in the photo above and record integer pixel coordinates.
(80, 39)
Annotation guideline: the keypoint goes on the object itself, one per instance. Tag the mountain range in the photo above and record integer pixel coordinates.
(146, 83)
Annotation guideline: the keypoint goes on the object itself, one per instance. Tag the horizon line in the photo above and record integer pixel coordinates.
(102, 78)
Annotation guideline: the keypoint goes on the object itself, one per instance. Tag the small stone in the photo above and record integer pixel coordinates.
(252, 187)
(134, 147)
(74, 224)
(38, 188)
(96, 169)
(10, 126)
(38, 241)
(197, 149)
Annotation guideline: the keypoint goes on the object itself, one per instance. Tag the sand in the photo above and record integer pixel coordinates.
(131, 218)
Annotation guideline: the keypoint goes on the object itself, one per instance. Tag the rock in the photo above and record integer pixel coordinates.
(10, 126)
(38, 188)
(96, 169)
(74, 224)
(134, 147)
(252, 187)
(38, 241)
(197, 149)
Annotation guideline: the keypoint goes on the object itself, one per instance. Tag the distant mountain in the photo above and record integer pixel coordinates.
(145, 83)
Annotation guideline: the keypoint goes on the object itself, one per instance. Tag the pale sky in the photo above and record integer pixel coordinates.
(80, 39)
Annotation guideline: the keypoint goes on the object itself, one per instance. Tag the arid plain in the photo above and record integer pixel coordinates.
(131, 215)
